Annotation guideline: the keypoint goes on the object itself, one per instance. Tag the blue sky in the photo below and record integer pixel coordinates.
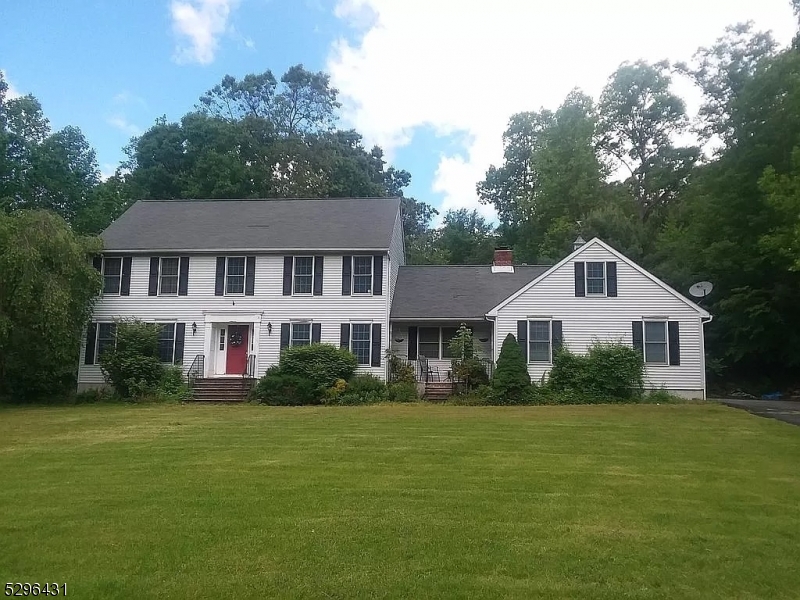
(432, 82)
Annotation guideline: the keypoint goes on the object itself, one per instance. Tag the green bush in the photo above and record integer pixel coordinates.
(322, 364)
(511, 381)
(363, 389)
(400, 370)
(278, 388)
(173, 385)
(133, 367)
(607, 373)
(403, 392)
(482, 395)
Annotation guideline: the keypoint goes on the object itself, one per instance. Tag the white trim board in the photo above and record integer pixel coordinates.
(598, 242)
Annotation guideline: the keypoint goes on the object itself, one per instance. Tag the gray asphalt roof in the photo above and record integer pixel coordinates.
(456, 292)
(271, 224)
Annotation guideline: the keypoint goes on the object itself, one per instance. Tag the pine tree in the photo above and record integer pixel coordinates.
(511, 379)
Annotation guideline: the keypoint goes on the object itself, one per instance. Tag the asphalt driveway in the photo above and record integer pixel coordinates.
(783, 410)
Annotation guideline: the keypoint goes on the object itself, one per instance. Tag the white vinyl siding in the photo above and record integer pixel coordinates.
(610, 319)
(268, 303)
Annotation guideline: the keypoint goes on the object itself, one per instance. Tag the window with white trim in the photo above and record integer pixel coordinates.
(595, 278)
(234, 274)
(434, 342)
(362, 274)
(166, 343)
(106, 339)
(361, 342)
(303, 274)
(112, 275)
(540, 341)
(655, 343)
(301, 334)
(168, 276)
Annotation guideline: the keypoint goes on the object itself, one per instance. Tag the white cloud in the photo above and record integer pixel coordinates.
(466, 67)
(199, 25)
(11, 92)
(121, 123)
(126, 97)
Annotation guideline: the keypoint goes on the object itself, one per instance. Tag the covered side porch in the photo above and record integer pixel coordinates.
(424, 346)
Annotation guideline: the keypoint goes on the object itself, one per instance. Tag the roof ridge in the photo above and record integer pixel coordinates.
(473, 266)
(326, 198)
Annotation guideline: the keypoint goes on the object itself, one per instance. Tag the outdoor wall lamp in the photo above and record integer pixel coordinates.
(269, 327)
(398, 339)
(194, 328)
(483, 339)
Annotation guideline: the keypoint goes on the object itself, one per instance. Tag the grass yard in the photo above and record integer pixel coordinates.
(673, 501)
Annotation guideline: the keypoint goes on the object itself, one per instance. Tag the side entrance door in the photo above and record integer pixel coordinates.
(238, 343)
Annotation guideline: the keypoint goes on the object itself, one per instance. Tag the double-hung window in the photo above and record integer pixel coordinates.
(595, 278)
(434, 342)
(362, 274)
(112, 275)
(361, 342)
(303, 275)
(166, 343)
(234, 275)
(540, 341)
(301, 334)
(168, 276)
(655, 342)
(106, 339)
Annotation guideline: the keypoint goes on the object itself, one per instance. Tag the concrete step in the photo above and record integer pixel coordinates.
(222, 390)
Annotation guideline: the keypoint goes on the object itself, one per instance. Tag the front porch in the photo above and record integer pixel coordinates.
(423, 348)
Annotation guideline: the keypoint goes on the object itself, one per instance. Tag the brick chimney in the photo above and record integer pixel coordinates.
(503, 260)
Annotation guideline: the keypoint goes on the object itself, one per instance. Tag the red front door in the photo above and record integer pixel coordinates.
(236, 360)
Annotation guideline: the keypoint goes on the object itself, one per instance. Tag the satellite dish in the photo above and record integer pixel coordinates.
(701, 289)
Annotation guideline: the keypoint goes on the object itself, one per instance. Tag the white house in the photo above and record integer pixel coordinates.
(235, 281)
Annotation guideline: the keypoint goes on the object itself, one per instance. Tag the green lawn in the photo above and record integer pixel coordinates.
(673, 501)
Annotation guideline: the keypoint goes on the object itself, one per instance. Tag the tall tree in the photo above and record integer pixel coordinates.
(466, 238)
(638, 118)
(47, 285)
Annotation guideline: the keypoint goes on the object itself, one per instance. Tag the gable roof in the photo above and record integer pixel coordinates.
(253, 225)
(455, 292)
(597, 241)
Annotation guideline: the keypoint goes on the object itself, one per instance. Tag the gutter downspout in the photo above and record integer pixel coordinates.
(703, 322)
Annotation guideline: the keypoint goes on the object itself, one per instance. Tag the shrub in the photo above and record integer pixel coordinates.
(608, 372)
(322, 364)
(482, 395)
(363, 389)
(133, 367)
(173, 385)
(278, 388)
(403, 392)
(511, 380)
(400, 370)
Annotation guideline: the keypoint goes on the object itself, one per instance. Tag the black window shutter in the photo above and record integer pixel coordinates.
(180, 337)
(377, 275)
(250, 276)
(580, 280)
(183, 276)
(638, 336)
(673, 330)
(285, 327)
(219, 281)
(344, 337)
(412, 343)
(558, 336)
(152, 287)
(97, 263)
(522, 337)
(288, 263)
(91, 340)
(125, 288)
(376, 344)
(347, 274)
(319, 261)
(316, 333)
(611, 279)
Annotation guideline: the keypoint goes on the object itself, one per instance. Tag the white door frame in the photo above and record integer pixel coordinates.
(214, 321)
